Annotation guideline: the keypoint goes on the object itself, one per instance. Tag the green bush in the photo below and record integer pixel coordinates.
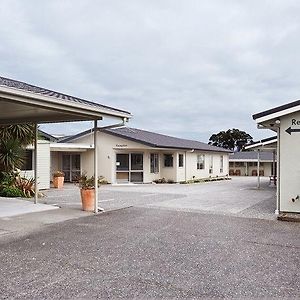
(11, 191)
(13, 185)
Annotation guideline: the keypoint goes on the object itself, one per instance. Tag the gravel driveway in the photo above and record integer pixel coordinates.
(238, 196)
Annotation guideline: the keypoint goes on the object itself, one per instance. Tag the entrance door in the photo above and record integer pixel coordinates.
(71, 166)
(129, 167)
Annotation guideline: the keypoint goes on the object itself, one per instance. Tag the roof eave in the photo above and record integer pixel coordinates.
(43, 101)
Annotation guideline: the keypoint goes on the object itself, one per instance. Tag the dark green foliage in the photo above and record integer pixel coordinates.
(25, 133)
(11, 191)
(13, 185)
(87, 183)
(11, 154)
(13, 139)
(232, 139)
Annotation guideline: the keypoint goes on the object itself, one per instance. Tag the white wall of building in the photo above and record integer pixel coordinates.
(110, 145)
(43, 165)
(289, 163)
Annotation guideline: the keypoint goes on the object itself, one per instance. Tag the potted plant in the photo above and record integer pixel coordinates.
(58, 179)
(87, 191)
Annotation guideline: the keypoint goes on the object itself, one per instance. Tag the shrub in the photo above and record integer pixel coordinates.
(162, 180)
(87, 183)
(13, 185)
(25, 185)
(11, 191)
(58, 174)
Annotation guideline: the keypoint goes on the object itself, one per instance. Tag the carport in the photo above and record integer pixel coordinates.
(25, 103)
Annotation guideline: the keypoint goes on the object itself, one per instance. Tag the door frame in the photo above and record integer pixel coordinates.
(70, 154)
(130, 171)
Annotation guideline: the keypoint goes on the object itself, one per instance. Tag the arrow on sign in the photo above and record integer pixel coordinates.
(290, 130)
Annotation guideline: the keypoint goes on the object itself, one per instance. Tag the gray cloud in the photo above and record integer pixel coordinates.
(186, 68)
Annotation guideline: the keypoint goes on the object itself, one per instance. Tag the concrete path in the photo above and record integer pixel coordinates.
(13, 207)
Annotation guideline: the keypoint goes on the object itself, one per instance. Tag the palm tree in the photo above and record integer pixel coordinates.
(13, 139)
(24, 133)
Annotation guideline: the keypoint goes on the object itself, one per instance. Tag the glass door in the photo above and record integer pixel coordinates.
(136, 170)
(129, 167)
(71, 166)
(122, 167)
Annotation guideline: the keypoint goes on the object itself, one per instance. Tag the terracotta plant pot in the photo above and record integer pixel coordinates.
(58, 182)
(88, 199)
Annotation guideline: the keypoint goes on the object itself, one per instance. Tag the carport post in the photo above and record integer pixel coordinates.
(95, 167)
(36, 188)
(258, 165)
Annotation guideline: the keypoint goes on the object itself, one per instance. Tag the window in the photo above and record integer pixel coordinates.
(27, 165)
(200, 162)
(221, 164)
(211, 164)
(129, 167)
(231, 164)
(180, 160)
(136, 161)
(154, 163)
(168, 160)
(122, 162)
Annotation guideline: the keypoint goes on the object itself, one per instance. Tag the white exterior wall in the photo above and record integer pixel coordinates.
(192, 170)
(110, 145)
(43, 165)
(289, 164)
(266, 167)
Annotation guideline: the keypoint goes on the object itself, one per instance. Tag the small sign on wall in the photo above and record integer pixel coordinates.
(291, 130)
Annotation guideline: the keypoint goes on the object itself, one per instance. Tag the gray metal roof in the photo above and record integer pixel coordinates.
(157, 140)
(11, 83)
(251, 155)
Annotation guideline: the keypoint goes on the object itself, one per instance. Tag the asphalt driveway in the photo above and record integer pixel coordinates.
(144, 253)
(169, 241)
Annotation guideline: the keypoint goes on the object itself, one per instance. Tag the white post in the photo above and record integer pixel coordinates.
(258, 166)
(36, 188)
(95, 167)
(277, 211)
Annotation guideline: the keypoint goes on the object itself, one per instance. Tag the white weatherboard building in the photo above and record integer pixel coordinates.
(139, 156)
(246, 163)
(285, 121)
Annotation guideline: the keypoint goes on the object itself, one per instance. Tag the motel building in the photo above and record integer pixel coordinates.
(130, 155)
(285, 121)
(247, 163)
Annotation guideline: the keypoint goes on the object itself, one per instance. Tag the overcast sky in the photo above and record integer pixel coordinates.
(187, 68)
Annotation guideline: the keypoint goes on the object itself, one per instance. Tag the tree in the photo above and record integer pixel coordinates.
(13, 139)
(233, 139)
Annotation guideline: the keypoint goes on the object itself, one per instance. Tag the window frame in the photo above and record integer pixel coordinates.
(172, 160)
(154, 167)
(180, 161)
(200, 162)
(221, 163)
(211, 164)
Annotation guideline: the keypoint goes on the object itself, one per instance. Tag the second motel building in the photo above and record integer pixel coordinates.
(130, 155)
